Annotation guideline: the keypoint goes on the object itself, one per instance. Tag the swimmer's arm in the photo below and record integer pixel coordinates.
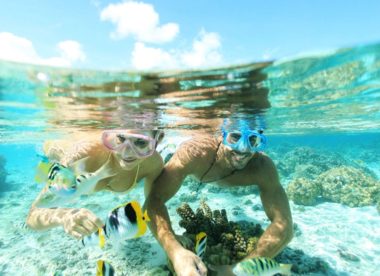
(67, 152)
(155, 170)
(76, 222)
(45, 218)
(164, 188)
(276, 206)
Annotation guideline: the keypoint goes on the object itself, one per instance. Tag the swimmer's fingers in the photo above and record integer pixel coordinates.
(74, 233)
(81, 230)
(201, 267)
(90, 226)
(94, 219)
(87, 215)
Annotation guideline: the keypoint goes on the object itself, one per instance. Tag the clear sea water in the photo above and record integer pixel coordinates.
(320, 111)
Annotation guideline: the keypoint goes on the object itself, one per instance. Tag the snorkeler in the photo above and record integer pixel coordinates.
(233, 159)
(129, 154)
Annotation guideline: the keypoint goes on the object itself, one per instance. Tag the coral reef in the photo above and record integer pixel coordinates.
(308, 162)
(349, 186)
(304, 264)
(227, 241)
(344, 184)
(304, 191)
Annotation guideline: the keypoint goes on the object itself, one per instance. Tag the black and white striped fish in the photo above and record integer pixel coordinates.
(123, 223)
(104, 268)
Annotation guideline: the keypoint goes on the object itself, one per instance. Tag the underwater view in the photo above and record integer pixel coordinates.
(317, 117)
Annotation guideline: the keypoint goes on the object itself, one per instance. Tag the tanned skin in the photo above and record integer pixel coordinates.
(82, 222)
(194, 158)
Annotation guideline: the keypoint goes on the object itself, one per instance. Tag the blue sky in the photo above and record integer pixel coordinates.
(161, 34)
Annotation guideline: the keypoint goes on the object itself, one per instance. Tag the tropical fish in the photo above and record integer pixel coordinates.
(125, 222)
(261, 267)
(64, 184)
(200, 244)
(59, 179)
(104, 268)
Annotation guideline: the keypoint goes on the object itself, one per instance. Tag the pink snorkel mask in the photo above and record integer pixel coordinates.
(141, 145)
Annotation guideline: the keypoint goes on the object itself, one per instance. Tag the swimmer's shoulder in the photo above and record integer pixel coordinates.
(261, 165)
(196, 152)
(200, 146)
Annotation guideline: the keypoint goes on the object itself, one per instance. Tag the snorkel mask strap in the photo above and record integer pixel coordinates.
(263, 141)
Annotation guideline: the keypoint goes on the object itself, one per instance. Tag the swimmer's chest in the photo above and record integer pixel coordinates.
(122, 182)
(233, 179)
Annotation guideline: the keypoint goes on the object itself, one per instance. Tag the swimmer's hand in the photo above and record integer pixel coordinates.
(186, 263)
(81, 222)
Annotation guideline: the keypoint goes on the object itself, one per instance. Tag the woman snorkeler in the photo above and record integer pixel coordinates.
(126, 155)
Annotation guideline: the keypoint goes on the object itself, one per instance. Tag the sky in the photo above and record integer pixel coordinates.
(150, 35)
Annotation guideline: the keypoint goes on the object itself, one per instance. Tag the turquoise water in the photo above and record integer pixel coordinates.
(321, 114)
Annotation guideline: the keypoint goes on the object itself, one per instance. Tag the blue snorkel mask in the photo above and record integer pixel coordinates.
(243, 139)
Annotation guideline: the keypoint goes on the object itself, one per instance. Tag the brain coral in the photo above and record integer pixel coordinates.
(349, 186)
(304, 191)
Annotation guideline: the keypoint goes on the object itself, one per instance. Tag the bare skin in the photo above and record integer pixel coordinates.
(194, 158)
(82, 222)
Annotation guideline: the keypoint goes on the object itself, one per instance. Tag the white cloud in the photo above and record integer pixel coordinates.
(269, 54)
(71, 50)
(205, 51)
(139, 20)
(19, 49)
(144, 58)
(16, 48)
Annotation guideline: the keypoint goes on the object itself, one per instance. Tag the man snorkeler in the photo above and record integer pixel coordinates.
(127, 156)
(234, 159)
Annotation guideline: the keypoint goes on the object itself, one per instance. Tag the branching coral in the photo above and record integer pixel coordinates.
(227, 242)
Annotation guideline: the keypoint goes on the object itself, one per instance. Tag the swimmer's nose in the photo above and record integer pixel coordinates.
(243, 148)
(127, 152)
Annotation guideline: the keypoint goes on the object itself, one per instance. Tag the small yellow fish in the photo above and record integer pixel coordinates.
(123, 223)
(261, 267)
(200, 244)
(104, 268)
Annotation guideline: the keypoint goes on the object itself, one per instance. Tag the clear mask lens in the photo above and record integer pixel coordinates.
(251, 141)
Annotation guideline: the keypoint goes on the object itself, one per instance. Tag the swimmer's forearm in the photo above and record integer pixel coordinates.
(46, 218)
(161, 228)
(273, 240)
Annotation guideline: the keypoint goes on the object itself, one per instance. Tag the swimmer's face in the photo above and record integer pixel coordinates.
(238, 159)
(126, 155)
